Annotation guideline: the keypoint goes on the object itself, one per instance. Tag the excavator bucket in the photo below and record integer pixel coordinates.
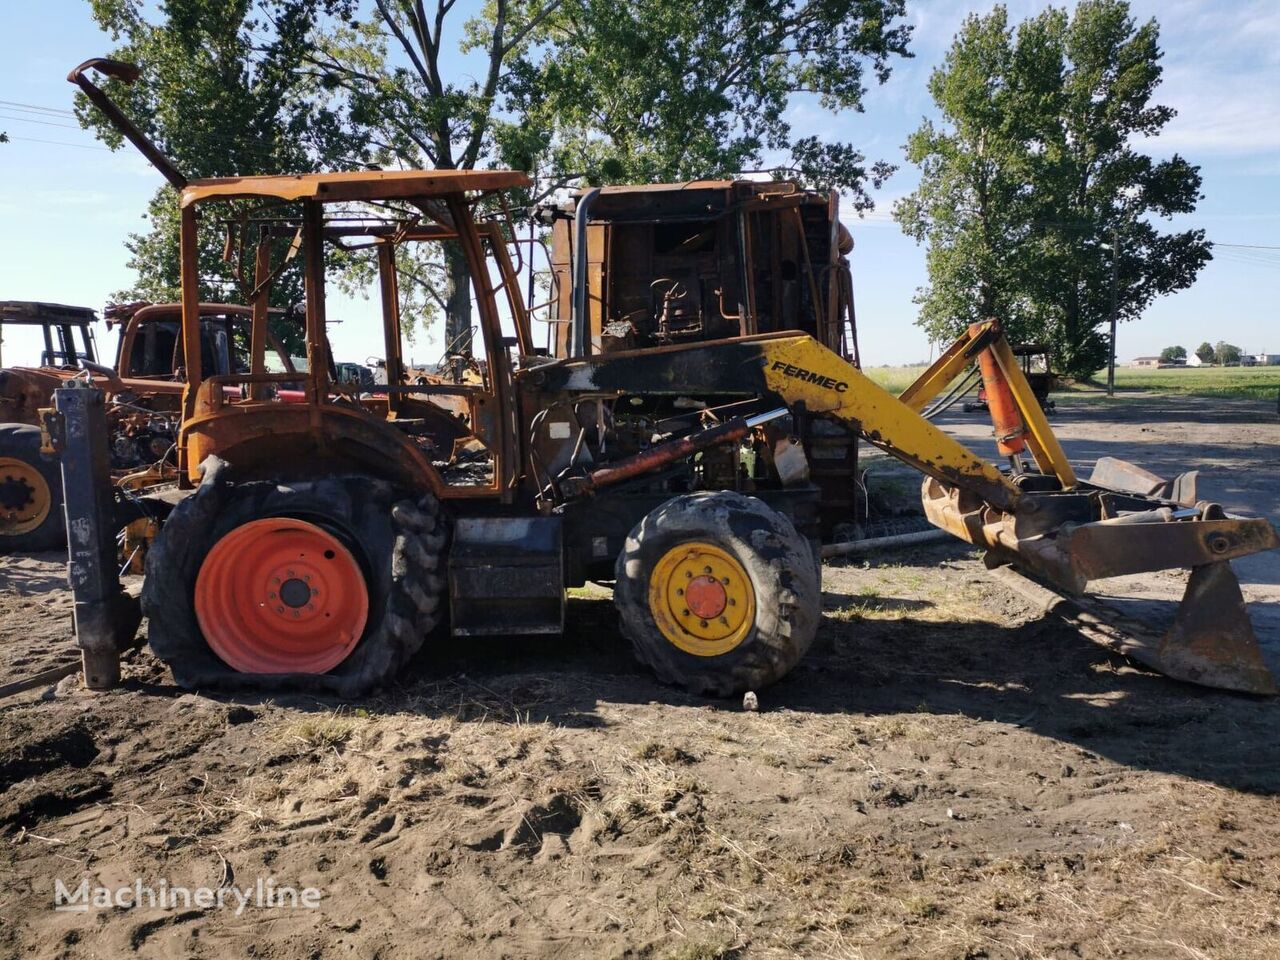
(1068, 534)
(1210, 640)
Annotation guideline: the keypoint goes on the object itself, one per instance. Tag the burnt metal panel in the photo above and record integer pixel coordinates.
(506, 576)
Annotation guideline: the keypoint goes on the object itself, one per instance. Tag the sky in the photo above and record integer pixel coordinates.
(67, 204)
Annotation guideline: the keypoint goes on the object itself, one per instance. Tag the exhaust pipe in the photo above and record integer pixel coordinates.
(125, 73)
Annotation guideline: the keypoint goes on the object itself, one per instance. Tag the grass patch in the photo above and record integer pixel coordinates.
(893, 379)
(327, 730)
(1248, 383)
(922, 907)
(1257, 383)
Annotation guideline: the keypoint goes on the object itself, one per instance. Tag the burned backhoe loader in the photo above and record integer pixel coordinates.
(318, 543)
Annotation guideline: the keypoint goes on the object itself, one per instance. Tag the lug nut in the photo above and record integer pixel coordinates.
(679, 591)
(704, 623)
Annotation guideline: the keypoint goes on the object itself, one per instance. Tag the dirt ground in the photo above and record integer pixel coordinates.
(948, 774)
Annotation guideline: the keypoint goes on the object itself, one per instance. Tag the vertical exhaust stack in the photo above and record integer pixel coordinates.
(126, 73)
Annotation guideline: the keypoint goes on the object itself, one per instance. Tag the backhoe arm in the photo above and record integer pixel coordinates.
(1046, 522)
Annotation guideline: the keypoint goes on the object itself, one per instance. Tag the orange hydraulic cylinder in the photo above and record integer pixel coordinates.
(1010, 431)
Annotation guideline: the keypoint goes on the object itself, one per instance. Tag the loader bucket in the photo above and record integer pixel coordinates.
(1125, 521)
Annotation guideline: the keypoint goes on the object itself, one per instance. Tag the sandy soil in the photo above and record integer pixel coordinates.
(947, 775)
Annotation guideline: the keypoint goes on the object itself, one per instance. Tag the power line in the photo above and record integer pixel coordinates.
(1244, 246)
(35, 108)
(61, 143)
(43, 123)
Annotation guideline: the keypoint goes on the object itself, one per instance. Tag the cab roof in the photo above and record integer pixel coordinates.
(357, 185)
(39, 312)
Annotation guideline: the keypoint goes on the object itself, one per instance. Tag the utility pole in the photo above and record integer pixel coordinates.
(1115, 293)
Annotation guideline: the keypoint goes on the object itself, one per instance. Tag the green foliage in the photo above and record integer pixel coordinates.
(220, 96)
(1205, 352)
(1173, 353)
(1031, 192)
(638, 91)
(232, 87)
(1225, 353)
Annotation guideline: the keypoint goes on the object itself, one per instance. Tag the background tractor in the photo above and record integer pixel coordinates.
(30, 487)
(144, 390)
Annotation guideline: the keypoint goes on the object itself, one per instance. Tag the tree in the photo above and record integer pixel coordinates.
(1171, 354)
(1226, 354)
(385, 62)
(355, 82)
(1205, 352)
(281, 86)
(219, 95)
(638, 91)
(1031, 191)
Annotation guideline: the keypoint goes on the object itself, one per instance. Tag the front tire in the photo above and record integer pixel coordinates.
(718, 593)
(361, 574)
(31, 517)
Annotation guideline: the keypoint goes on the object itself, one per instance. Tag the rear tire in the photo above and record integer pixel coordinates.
(31, 517)
(711, 643)
(399, 544)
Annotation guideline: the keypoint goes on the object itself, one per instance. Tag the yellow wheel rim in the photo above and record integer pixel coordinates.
(25, 498)
(701, 599)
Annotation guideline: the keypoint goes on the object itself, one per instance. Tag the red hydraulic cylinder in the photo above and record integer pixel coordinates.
(1010, 430)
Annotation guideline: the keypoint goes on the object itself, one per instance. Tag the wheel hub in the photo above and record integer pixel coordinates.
(15, 494)
(295, 593)
(25, 497)
(701, 599)
(706, 597)
(281, 595)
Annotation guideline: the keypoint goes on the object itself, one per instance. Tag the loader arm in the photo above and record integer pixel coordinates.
(1045, 522)
(796, 371)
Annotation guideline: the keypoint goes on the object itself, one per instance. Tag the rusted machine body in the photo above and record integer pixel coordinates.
(687, 262)
(681, 263)
(317, 539)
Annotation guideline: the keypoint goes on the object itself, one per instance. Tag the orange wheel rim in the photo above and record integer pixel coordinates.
(281, 596)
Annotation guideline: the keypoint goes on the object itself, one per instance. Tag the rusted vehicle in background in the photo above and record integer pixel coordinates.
(30, 488)
(1034, 358)
(144, 391)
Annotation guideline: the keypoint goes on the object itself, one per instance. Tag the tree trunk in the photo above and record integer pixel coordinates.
(457, 324)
